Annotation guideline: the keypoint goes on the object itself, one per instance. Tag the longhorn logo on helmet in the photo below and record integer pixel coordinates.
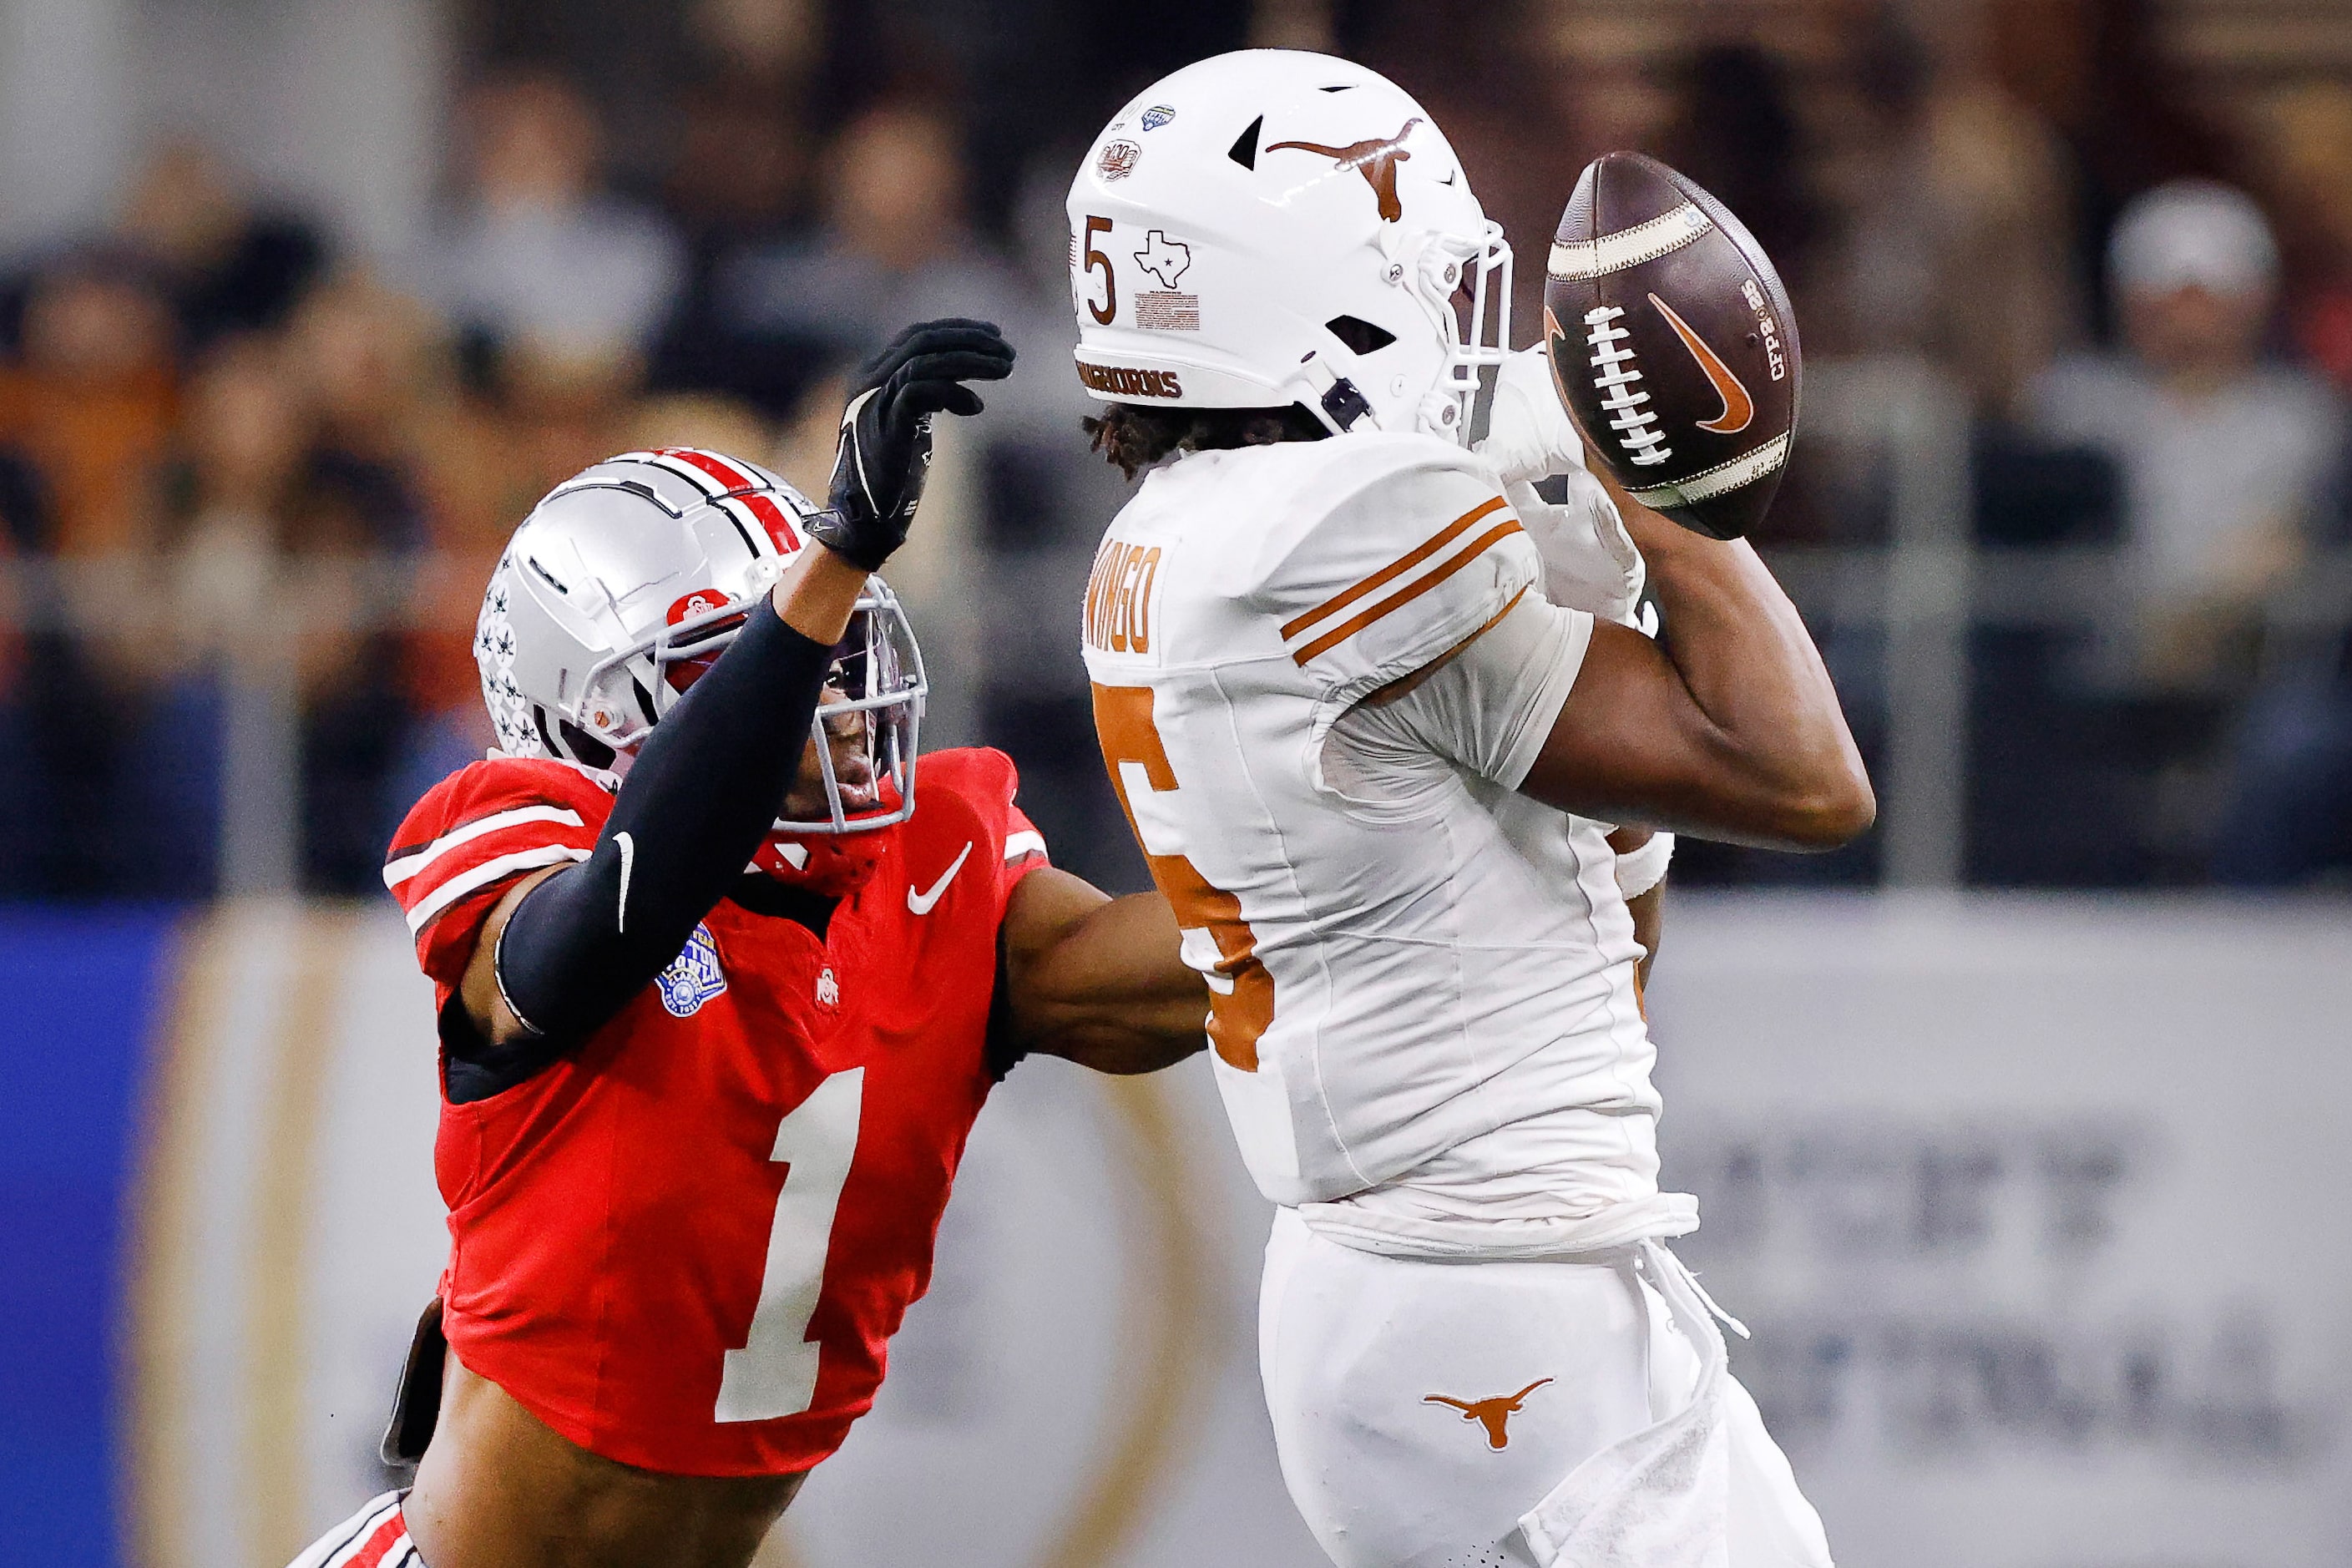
(1376, 159)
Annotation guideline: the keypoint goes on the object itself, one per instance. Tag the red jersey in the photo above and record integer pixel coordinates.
(687, 1245)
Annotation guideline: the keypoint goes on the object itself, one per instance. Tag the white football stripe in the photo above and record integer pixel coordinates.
(1017, 845)
(395, 872)
(483, 875)
(1721, 478)
(1584, 260)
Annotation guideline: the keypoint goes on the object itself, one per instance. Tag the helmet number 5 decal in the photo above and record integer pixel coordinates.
(774, 1373)
(1103, 312)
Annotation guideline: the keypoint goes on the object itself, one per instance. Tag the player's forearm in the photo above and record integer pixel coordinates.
(1755, 677)
(817, 594)
(1125, 1045)
(1119, 996)
(703, 793)
(1103, 983)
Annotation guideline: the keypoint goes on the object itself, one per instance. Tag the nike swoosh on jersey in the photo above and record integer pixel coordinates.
(922, 903)
(628, 848)
(1738, 408)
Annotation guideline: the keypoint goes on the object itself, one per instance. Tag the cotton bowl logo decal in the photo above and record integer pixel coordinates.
(1118, 159)
(693, 977)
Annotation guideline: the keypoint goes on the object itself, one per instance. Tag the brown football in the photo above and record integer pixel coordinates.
(1671, 340)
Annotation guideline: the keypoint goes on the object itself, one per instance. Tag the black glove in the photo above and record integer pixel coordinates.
(886, 431)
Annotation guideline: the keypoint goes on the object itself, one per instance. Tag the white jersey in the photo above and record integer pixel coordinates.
(1425, 1011)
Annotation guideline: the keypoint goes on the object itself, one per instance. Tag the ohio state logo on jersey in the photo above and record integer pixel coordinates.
(693, 977)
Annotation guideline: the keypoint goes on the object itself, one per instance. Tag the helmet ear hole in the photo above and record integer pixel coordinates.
(644, 700)
(582, 746)
(1361, 336)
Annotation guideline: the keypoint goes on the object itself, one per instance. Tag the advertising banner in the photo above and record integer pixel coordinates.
(2033, 1207)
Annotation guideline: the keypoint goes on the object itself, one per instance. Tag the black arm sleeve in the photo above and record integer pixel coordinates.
(705, 788)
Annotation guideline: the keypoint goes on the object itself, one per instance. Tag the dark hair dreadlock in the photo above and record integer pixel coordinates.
(1135, 437)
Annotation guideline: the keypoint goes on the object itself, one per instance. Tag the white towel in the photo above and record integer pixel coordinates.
(1660, 1499)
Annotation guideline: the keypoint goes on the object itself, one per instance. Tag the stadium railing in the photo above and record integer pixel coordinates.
(1926, 589)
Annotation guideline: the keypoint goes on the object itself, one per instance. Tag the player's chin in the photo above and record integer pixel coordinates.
(861, 791)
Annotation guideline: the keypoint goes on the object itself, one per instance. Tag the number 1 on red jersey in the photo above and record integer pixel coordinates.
(775, 1371)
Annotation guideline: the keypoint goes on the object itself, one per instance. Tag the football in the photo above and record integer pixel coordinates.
(1671, 342)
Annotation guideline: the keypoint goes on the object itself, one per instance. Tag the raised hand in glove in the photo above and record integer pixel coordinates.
(1528, 432)
(1590, 560)
(886, 431)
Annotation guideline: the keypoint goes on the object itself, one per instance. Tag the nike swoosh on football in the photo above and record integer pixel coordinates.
(922, 903)
(1738, 408)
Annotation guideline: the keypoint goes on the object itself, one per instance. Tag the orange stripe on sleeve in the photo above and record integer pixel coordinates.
(1413, 591)
(1390, 573)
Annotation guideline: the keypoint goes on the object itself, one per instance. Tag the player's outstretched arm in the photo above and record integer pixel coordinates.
(705, 788)
(1098, 980)
(1730, 728)
(559, 958)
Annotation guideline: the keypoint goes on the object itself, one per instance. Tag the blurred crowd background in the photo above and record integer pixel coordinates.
(303, 305)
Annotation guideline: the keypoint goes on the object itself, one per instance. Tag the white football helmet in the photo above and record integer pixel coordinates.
(627, 580)
(1271, 227)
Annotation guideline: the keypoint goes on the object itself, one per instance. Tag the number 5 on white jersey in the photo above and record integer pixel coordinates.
(1240, 990)
(775, 1371)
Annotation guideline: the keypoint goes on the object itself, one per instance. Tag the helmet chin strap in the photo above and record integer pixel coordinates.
(831, 865)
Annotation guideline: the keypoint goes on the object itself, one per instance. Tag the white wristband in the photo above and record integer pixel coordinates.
(1639, 870)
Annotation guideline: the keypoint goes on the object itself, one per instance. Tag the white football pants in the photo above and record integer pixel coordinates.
(1423, 1408)
(376, 1537)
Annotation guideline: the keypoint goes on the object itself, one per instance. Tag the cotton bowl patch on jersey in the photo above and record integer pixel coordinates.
(693, 977)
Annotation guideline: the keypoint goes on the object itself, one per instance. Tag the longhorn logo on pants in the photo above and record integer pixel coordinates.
(1493, 1413)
